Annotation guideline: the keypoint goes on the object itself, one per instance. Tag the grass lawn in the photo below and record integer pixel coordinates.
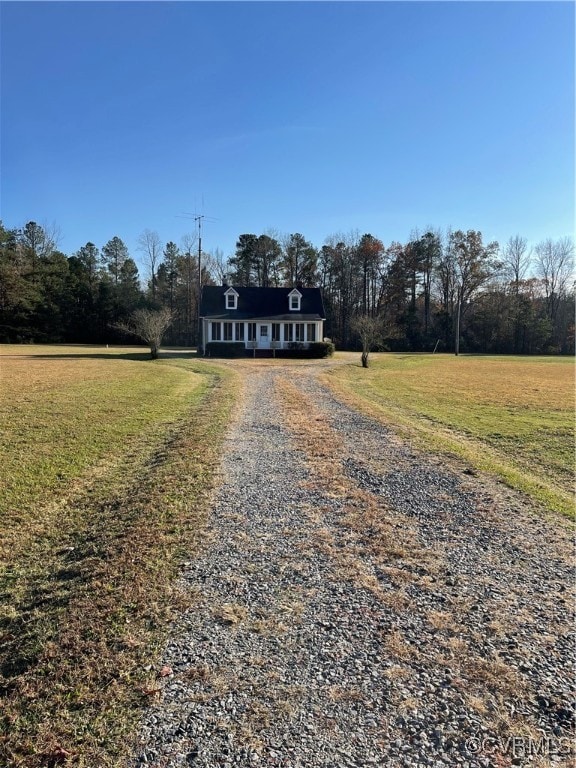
(510, 416)
(107, 458)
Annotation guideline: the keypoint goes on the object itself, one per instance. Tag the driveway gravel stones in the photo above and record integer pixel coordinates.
(357, 604)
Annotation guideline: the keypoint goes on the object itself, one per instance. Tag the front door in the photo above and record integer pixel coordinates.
(264, 337)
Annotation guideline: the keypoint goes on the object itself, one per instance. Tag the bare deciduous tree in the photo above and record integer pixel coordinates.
(370, 330)
(150, 245)
(516, 259)
(217, 264)
(554, 264)
(149, 326)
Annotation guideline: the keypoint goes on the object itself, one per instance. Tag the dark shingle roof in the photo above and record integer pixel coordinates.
(261, 302)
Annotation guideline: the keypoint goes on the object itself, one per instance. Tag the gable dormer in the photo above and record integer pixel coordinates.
(231, 299)
(294, 299)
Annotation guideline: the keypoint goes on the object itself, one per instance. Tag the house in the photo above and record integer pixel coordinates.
(261, 318)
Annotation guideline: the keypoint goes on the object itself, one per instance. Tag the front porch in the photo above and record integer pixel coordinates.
(266, 334)
(295, 349)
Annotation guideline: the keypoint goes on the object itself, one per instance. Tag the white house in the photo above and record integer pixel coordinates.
(261, 318)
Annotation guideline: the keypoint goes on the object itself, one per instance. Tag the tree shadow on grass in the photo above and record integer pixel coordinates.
(134, 356)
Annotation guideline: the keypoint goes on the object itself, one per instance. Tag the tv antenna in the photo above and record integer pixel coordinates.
(198, 218)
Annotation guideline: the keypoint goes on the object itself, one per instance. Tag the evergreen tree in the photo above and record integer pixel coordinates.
(114, 256)
(244, 260)
(19, 295)
(168, 275)
(267, 253)
(300, 262)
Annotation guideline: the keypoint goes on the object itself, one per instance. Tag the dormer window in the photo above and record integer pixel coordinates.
(294, 298)
(231, 298)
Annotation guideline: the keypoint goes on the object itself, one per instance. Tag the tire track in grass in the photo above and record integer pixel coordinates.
(90, 599)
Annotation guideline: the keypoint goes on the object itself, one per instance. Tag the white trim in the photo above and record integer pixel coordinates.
(282, 343)
(294, 294)
(231, 293)
(215, 324)
(264, 339)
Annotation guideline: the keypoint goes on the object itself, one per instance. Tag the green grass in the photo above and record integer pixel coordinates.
(510, 416)
(107, 465)
(60, 416)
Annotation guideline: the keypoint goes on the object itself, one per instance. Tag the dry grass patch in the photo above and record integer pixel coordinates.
(476, 703)
(397, 646)
(346, 563)
(271, 626)
(199, 673)
(91, 581)
(493, 674)
(341, 693)
(397, 672)
(364, 532)
(509, 416)
(409, 704)
(442, 620)
(363, 514)
(398, 600)
(230, 614)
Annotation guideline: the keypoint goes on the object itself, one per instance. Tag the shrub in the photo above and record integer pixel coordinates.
(315, 349)
(321, 348)
(225, 349)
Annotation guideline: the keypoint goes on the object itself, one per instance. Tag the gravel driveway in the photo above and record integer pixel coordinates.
(359, 604)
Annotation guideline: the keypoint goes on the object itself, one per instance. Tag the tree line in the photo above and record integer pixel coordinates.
(447, 291)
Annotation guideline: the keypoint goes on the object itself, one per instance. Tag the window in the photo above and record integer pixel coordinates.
(275, 331)
(251, 331)
(288, 332)
(239, 335)
(216, 332)
(264, 331)
(231, 299)
(311, 331)
(299, 331)
(294, 300)
(228, 328)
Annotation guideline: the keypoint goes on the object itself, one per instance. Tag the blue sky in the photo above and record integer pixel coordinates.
(311, 117)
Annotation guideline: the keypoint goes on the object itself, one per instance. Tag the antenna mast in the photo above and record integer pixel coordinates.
(198, 218)
(199, 345)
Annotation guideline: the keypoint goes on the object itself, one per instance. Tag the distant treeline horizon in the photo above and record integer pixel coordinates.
(437, 287)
